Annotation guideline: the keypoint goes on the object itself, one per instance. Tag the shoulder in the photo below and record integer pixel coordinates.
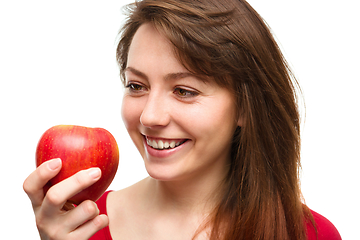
(113, 203)
(125, 209)
(127, 196)
(325, 229)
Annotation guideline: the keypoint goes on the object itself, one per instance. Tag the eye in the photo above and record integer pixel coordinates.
(133, 87)
(184, 93)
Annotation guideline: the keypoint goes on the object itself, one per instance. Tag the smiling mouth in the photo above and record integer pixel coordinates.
(164, 144)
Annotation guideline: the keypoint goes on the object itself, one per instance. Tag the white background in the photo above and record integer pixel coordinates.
(57, 66)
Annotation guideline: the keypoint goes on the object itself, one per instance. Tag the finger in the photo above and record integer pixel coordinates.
(35, 182)
(86, 211)
(90, 228)
(58, 194)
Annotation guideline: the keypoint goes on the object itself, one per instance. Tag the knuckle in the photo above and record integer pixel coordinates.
(38, 177)
(90, 208)
(53, 197)
(55, 234)
(30, 183)
(28, 187)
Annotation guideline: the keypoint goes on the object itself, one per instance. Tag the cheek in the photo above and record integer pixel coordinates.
(213, 128)
(130, 113)
(217, 117)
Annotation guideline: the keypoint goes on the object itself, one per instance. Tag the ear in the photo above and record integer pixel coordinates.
(240, 121)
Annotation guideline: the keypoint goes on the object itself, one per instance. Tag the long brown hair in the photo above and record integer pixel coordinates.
(228, 40)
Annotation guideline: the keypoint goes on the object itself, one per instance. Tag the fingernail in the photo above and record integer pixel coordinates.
(95, 173)
(54, 164)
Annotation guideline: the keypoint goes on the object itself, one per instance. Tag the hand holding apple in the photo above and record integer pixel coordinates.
(80, 148)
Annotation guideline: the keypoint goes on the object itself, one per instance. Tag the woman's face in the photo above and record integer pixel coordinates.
(181, 125)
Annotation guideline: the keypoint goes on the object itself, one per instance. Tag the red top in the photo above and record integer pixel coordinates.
(326, 230)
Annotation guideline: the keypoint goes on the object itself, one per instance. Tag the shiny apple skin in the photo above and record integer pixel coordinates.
(80, 148)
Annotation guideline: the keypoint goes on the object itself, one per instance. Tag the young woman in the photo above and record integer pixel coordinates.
(210, 103)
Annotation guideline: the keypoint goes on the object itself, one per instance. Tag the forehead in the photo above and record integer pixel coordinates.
(152, 53)
(149, 45)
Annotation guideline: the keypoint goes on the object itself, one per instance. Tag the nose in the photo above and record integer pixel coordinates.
(155, 113)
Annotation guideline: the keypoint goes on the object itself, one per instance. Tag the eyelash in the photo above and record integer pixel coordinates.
(179, 91)
(184, 93)
(132, 86)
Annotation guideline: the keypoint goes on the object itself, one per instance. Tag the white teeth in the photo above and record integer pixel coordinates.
(162, 144)
(154, 144)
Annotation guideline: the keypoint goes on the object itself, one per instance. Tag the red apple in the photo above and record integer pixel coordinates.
(80, 148)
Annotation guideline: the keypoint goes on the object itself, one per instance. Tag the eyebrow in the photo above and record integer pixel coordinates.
(169, 76)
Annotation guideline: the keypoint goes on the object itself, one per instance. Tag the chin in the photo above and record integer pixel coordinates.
(164, 173)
